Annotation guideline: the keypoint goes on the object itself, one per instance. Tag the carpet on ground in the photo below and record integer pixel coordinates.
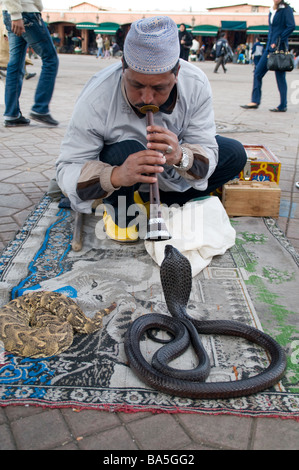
(255, 282)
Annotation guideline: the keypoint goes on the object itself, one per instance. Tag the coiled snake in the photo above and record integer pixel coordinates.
(176, 282)
(42, 324)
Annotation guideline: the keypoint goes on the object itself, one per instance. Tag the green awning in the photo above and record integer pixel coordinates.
(233, 25)
(205, 30)
(260, 29)
(86, 25)
(106, 28)
(296, 32)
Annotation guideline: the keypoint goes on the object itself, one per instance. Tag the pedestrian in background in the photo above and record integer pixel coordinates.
(185, 39)
(221, 49)
(25, 27)
(107, 46)
(257, 52)
(281, 26)
(99, 41)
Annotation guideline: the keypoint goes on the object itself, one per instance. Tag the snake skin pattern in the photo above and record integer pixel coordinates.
(42, 324)
(176, 279)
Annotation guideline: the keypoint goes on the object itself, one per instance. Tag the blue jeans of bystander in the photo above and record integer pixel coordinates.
(38, 37)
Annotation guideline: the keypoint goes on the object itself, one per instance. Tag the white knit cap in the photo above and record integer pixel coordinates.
(152, 45)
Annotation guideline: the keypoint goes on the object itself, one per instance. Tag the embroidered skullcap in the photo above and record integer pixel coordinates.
(152, 45)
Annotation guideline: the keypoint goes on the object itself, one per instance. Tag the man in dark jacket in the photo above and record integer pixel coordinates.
(222, 48)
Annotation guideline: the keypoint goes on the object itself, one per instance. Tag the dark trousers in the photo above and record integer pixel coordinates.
(232, 159)
(259, 73)
(220, 61)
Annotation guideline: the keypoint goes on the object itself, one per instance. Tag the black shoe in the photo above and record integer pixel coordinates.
(20, 121)
(29, 75)
(44, 118)
(277, 110)
(248, 106)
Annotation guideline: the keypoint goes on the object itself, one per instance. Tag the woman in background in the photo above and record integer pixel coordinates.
(281, 26)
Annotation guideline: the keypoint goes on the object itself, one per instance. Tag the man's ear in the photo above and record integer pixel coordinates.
(176, 76)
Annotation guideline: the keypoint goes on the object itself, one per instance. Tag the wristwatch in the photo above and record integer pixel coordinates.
(183, 165)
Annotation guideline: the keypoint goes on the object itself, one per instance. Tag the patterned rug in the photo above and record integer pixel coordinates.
(255, 282)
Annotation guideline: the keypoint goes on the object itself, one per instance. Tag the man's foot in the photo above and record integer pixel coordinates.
(250, 106)
(18, 122)
(122, 235)
(145, 205)
(44, 118)
(29, 75)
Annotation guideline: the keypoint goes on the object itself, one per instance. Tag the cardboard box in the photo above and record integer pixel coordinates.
(262, 165)
(252, 199)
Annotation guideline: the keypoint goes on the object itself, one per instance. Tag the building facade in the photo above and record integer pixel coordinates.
(75, 29)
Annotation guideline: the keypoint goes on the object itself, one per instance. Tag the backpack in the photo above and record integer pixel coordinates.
(221, 47)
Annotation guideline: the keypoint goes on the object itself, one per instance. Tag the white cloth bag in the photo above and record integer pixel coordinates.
(199, 229)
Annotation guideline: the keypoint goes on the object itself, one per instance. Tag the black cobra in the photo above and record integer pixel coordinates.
(176, 279)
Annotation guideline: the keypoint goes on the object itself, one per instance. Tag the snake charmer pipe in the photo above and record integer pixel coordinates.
(156, 229)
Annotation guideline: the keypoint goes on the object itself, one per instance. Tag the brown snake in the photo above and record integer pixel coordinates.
(42, 324)
(176, 282)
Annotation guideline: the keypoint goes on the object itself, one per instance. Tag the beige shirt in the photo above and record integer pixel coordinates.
(16, 7)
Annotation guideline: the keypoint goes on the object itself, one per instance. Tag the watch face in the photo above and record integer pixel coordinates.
(185, 160)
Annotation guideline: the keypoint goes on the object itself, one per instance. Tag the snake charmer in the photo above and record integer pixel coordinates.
(106, 152)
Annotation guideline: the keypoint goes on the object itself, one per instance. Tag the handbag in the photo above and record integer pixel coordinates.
(280, 60)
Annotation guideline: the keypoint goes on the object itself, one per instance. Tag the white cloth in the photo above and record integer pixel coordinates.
(273, 13)
(200, 230)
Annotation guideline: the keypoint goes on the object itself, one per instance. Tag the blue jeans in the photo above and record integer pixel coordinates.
(259, 73)
(38, 37)
(100, 52)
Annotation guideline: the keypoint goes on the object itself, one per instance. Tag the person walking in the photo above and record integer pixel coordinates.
(25, 27)
(281, 26)
(107, 46)
(221, 51)
(99, 41)
(257, 52)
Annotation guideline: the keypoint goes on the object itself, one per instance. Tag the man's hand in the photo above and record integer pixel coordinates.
(160, 139)
(17, 27)
(139, 167)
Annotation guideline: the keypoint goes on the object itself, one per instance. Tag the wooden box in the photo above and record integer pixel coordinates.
(251, 199)
(262, 165)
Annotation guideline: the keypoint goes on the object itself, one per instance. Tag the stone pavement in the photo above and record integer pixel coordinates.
(27, 160)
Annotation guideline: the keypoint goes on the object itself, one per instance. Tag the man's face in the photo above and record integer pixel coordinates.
(144, 89)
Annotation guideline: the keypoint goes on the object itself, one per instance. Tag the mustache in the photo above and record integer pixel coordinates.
(140, 105)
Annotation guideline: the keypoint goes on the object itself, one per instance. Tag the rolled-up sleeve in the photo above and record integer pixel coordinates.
(200, 137)
(82, 144)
